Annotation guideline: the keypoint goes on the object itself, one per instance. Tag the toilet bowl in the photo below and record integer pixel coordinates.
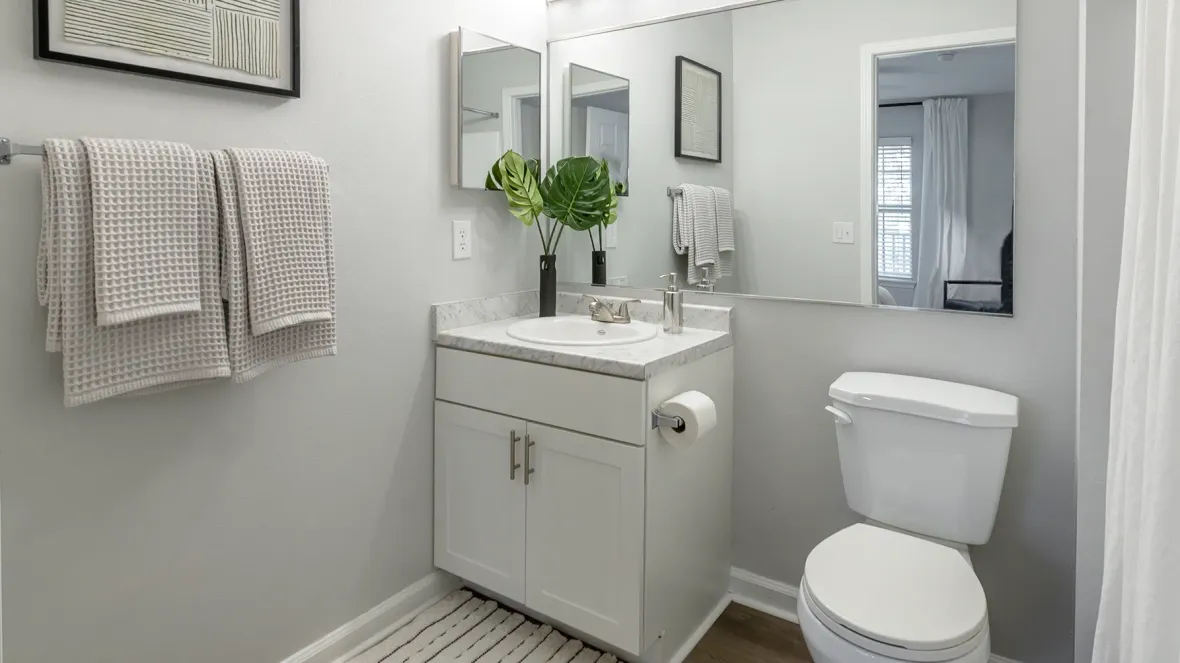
(871, 595)
(924, 462)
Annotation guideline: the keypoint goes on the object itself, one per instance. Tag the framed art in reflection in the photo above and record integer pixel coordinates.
(698, 111)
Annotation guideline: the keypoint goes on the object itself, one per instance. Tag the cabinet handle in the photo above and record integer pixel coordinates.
(513, 466)
(528, 444)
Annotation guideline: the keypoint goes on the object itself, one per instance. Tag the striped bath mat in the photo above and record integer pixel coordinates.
(463, 628)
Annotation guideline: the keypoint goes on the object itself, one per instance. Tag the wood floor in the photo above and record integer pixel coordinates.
(744, 635)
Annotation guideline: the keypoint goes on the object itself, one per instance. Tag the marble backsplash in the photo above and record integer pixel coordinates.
(453, 315)
(468, 312)
(696, 316)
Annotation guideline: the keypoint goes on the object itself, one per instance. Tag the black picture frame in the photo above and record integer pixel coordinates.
(680, 62)
(42, 50)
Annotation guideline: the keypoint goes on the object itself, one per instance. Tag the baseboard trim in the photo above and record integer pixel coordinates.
(363, 632)
(779, 599)
(764, 595)
(699, 633)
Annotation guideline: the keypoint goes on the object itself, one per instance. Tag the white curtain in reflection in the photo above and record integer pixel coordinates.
(1140, 611)
(942, 233)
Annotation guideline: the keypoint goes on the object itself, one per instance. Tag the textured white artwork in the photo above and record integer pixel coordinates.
(700, 112)
(233, 34)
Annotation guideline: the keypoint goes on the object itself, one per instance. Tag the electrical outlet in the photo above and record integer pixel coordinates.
(842, 233)
(612, 236)
(460, 240)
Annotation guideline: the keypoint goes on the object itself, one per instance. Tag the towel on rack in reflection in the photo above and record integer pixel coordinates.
(694, 229)
(145, 229)
(252, 355)
(285, 207)
(726, 246)
(143, 356)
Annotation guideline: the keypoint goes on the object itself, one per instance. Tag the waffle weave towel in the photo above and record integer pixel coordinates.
(145, 229)
(694, 229)
(146, 355)
(726, 246)
(285, 206)
(250, 355)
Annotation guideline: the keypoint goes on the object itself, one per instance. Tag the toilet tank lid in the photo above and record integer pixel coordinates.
(923, 397)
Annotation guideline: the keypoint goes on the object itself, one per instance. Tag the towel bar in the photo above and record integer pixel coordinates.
(9, 149)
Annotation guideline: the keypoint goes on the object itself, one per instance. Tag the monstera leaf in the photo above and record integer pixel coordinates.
(576, 193)
(517, 178)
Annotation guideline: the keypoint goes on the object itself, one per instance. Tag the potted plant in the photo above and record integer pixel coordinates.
(573, 193)
(610, 214)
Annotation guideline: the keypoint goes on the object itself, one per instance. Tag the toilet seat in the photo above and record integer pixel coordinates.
(895, 594)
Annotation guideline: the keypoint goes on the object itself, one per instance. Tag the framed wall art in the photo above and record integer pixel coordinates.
(698, 111)
(250, 45)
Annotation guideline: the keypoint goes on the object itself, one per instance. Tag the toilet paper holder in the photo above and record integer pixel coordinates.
(658, 420)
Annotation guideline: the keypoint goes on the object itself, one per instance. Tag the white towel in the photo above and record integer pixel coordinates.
(250, 355)
(48, 274)
(285, 206)
(145, 229)
(726, 246)
(142, 356)
(694, 230)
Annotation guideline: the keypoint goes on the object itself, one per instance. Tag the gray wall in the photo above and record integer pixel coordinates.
(789, 494)
(241, 523)
(1110, 63)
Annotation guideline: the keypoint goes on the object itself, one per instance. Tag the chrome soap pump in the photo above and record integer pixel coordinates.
(673, 306)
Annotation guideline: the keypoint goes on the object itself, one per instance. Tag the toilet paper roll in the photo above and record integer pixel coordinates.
(699, 413)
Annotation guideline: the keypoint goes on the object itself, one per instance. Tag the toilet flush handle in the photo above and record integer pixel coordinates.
(841, 416)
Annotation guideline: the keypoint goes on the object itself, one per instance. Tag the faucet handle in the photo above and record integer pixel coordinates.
(624, 311)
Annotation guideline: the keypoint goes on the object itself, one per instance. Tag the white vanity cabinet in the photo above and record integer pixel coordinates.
(553, 492)
(479, 503)
(578, 522)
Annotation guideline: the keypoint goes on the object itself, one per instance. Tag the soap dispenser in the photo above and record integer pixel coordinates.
(673, 306)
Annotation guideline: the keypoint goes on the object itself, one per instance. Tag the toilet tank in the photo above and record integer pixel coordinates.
(922, 455)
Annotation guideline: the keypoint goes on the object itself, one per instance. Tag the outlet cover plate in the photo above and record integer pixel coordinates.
(460, 240)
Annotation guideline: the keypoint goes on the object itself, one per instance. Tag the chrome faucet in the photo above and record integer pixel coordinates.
(601, 311)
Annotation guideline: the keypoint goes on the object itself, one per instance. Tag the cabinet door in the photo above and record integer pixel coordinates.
(479, 507)
(585, 534)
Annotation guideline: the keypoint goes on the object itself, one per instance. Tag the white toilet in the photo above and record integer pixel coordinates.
(924, 462)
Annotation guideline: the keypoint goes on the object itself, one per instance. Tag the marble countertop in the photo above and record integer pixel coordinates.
(637, 361)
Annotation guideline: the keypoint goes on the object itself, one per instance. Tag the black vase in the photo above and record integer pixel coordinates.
(548, 286)
(598, 267)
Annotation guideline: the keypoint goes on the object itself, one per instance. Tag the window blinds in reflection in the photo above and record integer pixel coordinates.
(895, 209)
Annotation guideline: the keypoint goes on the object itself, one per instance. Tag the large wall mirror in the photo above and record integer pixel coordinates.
(496, 104)
(866, 152)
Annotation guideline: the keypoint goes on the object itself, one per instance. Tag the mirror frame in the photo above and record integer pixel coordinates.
(870, 57)
(568, 117)
(868, 183)
(456, 103)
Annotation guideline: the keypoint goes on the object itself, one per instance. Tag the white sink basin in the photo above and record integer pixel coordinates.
(582, 331)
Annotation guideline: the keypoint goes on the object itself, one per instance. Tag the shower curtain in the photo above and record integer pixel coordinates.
(1140, 610)
(942, 233)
